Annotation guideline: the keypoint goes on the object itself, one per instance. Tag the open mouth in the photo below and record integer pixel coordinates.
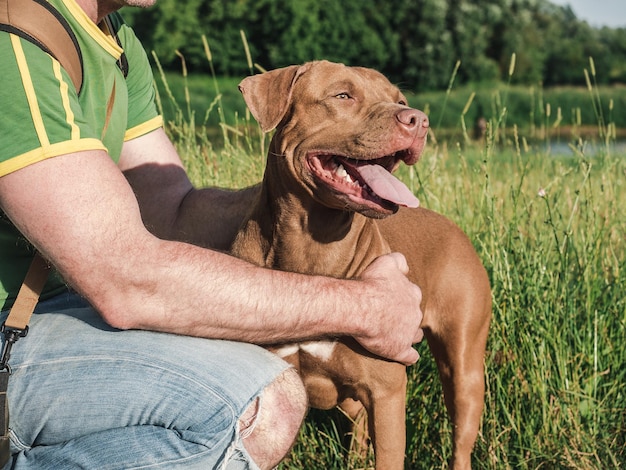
(366, 183)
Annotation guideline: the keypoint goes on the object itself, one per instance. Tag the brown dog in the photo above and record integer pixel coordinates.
(322, 209)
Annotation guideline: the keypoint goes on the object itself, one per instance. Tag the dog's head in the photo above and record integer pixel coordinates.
(342, 130)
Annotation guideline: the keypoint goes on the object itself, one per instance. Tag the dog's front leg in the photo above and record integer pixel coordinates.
(386, 416)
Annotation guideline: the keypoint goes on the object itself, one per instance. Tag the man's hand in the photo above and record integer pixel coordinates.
(392, 325)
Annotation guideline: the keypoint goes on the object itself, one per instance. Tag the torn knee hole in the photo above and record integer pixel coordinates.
(249, 419)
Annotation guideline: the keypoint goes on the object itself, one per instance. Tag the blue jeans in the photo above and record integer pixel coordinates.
(85, 395)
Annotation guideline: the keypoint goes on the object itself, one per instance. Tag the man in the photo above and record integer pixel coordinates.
(116, 371)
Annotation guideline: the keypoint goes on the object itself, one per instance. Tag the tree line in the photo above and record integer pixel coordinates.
(416, 43)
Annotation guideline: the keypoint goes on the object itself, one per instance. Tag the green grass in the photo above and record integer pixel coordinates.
(551, 231)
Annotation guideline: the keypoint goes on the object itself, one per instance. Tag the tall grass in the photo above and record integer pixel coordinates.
(551, 231)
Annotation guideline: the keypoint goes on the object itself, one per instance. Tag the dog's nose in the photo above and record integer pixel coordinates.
(412, 119)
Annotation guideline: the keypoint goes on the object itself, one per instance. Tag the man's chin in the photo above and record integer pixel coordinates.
(137, 3)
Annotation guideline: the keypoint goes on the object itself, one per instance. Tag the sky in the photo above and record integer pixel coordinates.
(610, 13)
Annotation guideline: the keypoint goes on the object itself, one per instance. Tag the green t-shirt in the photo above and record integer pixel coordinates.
(42, 116)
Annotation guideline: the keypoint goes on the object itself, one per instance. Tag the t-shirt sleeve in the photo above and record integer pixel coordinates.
(38, 94)
(143, 115)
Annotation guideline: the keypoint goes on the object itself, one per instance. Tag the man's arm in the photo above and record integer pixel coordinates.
(170, 206)
(82, 214)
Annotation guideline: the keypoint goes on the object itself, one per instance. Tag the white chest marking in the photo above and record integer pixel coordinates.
(323, 350)
(286, 350)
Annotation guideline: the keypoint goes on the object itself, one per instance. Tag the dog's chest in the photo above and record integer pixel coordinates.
(321, 350)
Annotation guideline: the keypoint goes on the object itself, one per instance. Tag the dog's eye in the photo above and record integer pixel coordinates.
(403, 103)
(343, 96)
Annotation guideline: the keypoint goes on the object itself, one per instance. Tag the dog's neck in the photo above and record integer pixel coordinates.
(288, 230)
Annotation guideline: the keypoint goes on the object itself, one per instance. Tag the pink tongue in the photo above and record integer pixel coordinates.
(387, 186)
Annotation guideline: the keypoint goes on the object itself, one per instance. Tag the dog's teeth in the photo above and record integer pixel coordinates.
(341, 172)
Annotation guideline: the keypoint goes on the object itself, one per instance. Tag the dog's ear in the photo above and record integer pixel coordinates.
(268, 95)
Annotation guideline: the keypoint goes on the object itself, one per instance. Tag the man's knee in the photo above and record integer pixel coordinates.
(270, 425)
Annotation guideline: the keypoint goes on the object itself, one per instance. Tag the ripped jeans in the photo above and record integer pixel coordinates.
(85, 395)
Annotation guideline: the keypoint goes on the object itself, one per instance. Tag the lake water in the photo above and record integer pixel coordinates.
(590, 149)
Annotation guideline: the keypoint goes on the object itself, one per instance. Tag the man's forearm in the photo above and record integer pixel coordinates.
(180, 288)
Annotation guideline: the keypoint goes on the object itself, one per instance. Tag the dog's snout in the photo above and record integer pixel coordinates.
(412, 119)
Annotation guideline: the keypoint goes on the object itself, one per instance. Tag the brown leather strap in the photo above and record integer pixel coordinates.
(28, 295)
(38, 22)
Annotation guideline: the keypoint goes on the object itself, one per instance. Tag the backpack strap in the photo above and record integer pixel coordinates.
(16, 324)
(40, 23)
(28, 295)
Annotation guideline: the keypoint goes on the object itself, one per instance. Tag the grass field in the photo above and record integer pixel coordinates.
(551, 231)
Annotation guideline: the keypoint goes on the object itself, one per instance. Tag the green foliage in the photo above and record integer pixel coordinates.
(416, 44)
(615, 41)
